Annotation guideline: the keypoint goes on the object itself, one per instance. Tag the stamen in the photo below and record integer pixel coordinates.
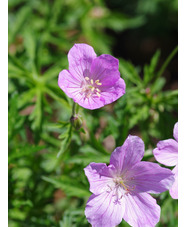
(98, 94)
(121, 182)
(89, 87)
(97, 82)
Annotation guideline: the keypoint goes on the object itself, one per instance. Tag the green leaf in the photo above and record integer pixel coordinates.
(24, 151)
(129, 72)
(56, 97)
(96, 144)
(26, 97)
(20, 203)
(37, 113)
(167, 98)
(86, 154)
(50, 139)
(168, 60)
(66, 222)
(17, 70)
(149, 71)
(70, 186)
(66, 140)
(73, 217)
(158, 85)
(15, 121)
(119, 22)
(141, 114)
(16, 64)
(15, 26)
(32, 45)
(168, 211)
(55, 12)
(13, 3)
(52, 73)
(63, 123)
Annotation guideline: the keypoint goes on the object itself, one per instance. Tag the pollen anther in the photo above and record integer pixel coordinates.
(98, 94)
(89, 88)
(97, 82)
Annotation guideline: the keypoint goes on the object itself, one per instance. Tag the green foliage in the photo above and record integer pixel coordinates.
(47, 185)
(69, 185)
(66, 137)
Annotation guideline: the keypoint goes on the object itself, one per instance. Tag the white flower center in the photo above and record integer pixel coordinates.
(121, 187)
(90, 87)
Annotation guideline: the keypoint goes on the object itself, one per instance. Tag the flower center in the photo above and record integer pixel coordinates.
(119, 182)
(90, 87)
(121, 187)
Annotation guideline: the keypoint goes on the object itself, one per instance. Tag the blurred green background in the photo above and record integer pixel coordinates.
(47, 185)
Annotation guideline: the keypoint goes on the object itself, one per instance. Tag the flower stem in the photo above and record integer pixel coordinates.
(74, 109)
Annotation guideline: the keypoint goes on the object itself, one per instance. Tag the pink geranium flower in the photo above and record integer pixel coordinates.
(120, 190)
(91, 81)
(166, 153)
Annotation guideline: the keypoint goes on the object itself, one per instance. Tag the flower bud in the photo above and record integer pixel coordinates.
(76, 121)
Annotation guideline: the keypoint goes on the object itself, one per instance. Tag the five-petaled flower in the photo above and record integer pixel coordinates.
(167, 153)
(121, 189)
(91, 81)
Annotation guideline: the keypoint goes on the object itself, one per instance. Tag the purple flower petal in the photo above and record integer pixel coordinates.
(80, 58)
(174, 189)
(152, 178)
(130, 153)
(90, 103)
(109, 95)
(69, 84)
(103, 211)
(167, 152)
(105, 69)
(175, 131)
(99, 176)
(141, 210)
